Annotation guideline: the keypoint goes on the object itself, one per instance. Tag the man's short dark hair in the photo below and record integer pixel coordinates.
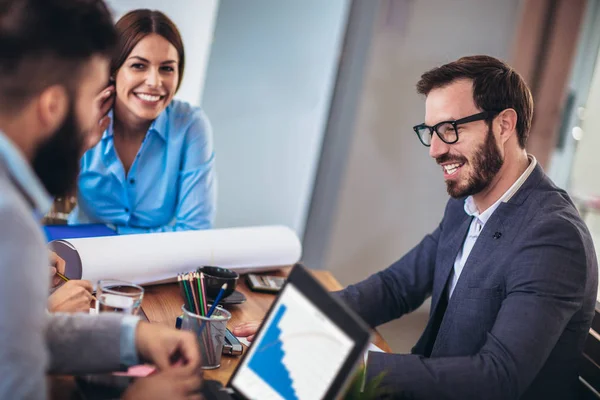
(45, 42)
(496, 87)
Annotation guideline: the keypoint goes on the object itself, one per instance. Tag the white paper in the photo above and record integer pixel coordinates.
(371, 347)
(155, 257)
(243, 341)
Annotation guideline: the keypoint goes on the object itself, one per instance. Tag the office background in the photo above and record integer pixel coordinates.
(312, 104)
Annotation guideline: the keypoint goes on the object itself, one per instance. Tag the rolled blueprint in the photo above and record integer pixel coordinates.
(158, 257)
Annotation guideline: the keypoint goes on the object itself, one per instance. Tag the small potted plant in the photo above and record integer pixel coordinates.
(371, 390)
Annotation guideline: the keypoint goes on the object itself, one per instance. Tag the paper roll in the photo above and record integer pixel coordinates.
(158, 257)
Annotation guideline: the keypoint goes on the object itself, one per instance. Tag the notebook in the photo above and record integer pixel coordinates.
(56, 232)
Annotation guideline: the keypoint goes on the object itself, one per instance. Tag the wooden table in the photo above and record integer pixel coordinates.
(162, 304)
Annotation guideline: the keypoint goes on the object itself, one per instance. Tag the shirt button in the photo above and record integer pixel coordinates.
(132, 181)
(126, 209)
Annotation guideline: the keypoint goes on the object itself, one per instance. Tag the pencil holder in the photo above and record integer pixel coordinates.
(210, 333)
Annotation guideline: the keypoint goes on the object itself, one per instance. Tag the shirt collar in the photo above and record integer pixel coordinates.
(159, 125)
(22, 174)
(517, 185)
(471, 209)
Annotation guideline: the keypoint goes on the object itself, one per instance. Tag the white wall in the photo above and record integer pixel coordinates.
(584, 178)
(584, 174)
(393, 192)
(268, 87)
(195, 20)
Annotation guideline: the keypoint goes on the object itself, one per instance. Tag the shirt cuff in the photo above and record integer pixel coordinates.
(130, 230)
(128, 349)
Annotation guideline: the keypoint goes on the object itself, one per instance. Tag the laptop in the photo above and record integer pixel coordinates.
(306, 348)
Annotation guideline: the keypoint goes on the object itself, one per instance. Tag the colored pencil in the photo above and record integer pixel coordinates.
(61, 276)
(194, 294)
(205, 300)
(217, 300)
(181, 288)
(200, 294)
(187, 294)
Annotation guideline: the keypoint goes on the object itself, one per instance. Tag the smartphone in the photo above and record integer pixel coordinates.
(265, 283)
(231, 345)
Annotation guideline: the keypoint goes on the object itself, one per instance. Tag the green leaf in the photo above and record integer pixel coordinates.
(372, 389)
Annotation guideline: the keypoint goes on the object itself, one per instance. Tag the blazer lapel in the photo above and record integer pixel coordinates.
(490, 239)
(448, 254)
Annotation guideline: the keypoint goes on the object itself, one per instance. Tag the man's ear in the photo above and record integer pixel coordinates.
(52, 108)
(507, 121)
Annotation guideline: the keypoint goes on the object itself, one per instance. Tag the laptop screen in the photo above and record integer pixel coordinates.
(297, 354)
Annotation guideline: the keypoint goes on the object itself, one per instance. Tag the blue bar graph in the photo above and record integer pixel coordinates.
(267, 362)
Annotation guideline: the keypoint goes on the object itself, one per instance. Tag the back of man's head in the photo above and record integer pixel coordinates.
(45, 42)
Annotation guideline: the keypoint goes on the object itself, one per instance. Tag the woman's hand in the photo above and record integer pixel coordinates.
(247, 329)
(73, 296)
(102, 104)
(57, 264)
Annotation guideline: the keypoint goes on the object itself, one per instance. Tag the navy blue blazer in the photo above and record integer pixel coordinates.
(517, 320)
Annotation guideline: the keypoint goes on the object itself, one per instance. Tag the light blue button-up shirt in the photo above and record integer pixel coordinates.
(171, 185)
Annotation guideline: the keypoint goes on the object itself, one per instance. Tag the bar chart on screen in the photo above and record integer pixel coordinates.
(297, 355)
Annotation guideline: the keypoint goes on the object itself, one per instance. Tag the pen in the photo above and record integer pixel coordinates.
(64, 278)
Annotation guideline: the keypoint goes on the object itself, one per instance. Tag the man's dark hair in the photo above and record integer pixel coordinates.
(45, 42)
(496, 87)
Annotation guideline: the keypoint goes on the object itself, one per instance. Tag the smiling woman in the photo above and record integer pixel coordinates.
(153, 168)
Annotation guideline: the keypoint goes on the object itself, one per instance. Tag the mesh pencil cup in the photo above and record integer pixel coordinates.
(210, 333)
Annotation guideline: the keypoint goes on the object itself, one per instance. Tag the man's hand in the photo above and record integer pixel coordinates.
(247, 329)
(56, 264)
(175, 383)
(166, 347)
(103, 103)
(73, 296)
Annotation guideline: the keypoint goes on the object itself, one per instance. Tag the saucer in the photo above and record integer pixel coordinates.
(234, 298)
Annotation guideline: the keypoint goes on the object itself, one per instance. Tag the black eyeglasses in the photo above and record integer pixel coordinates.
(447, 130)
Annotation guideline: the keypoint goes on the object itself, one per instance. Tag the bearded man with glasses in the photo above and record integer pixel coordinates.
(511, 268)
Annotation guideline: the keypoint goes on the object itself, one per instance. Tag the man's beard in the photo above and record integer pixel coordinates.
(486, 163)
(56, 161)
